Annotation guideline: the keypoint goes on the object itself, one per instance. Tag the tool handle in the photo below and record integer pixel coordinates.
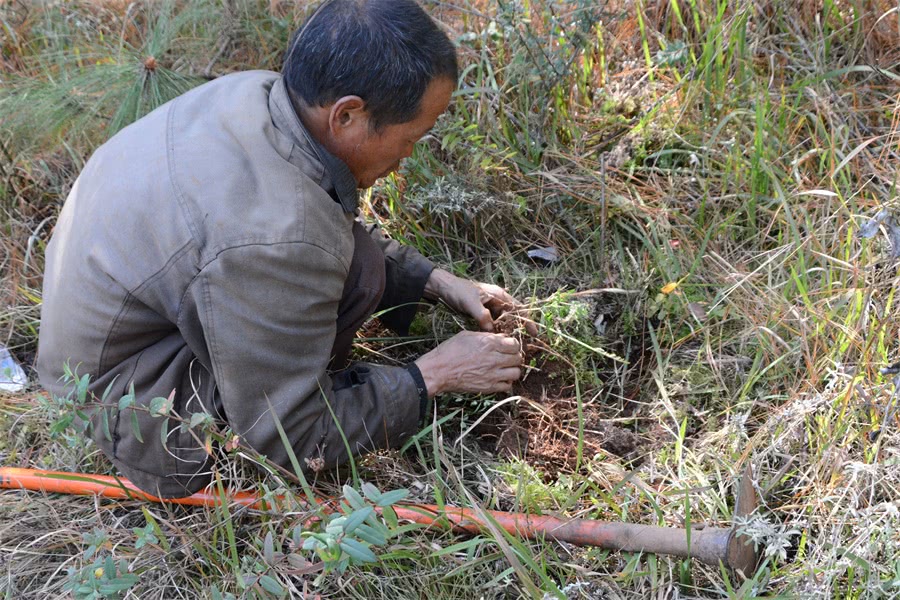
(708, 545)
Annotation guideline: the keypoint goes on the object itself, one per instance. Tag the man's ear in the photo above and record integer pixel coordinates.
(348, 116)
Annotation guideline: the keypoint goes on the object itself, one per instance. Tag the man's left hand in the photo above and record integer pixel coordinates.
(484, 302)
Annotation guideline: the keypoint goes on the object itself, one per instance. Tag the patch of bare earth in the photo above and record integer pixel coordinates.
(542, 426)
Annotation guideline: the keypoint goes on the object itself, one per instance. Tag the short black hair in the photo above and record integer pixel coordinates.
(384, 51)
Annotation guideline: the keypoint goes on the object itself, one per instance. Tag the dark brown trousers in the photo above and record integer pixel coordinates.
(362, 293)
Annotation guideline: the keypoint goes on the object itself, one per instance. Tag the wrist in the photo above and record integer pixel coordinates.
(437, 283)
(430, 372)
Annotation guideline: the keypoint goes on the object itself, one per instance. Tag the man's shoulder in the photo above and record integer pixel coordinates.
(235, 174)
(214, 160)
(235, 102)
(205, 118)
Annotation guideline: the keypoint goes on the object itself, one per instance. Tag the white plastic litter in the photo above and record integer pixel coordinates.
(884, 217)
(12, 376)
(548, 255)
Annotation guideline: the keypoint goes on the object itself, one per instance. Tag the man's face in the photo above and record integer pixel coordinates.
(378, 154)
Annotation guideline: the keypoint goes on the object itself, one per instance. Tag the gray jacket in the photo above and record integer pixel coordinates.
(200, 251)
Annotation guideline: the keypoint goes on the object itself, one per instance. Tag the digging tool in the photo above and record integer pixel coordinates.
(711, 545)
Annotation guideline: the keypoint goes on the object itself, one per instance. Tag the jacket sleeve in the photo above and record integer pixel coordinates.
(406, 273)
(269, 315)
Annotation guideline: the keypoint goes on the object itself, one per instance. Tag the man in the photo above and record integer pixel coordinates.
(209, 254)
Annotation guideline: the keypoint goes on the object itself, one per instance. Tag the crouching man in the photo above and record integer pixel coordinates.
(210, 254)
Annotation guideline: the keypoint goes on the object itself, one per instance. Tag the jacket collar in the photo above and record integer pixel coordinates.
(337, 178)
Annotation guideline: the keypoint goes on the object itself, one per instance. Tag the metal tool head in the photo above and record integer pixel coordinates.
(740, 553)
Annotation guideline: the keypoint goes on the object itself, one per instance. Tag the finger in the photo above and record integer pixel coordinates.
(507, 345)
(498, 309)
(501, 299)
(503, 361)
(484, 318)
(491, 293)
(504, 297)
(509, 374)
(501, 386)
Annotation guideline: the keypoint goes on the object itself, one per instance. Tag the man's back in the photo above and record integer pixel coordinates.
(138, 270)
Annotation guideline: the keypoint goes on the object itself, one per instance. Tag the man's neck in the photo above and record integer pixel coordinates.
(314, 120)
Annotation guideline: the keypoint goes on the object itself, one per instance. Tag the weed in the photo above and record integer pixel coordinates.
(103, 578)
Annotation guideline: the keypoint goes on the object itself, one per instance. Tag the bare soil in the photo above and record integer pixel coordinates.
(543, 427)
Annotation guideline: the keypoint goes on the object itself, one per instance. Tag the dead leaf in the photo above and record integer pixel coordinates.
(697, 311)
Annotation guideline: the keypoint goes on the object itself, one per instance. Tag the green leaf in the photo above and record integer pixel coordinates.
(353, 497)
(164, 433)
(371, 492)
(144, 535)
(104, 420)
(392, 497)
(466, 546)
(62, 424)
(157, 530)
(357, 551)
(342, 565)
(81, 388)
(126, 401)
(390, 516)
(119, 584)
(269, 549)
(270, 585)
(197, 418)
(368, 534)
(136, 427)
(162, 406)
(401, 531)
(356, 518)
(310, 543)
(335, 527)
(157, 406)
(108, 389)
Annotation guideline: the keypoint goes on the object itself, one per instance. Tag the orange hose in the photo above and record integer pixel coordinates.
(708, 545)
(86, 484)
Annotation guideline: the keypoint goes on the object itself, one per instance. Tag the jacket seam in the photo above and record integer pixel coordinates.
(207, 302)
(211, 328)
(173, 182)
(123, 309)
(131, 297)
(276, 243)
(181, 251)
(187, 288)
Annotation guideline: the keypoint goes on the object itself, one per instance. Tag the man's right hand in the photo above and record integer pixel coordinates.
(472, 361)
